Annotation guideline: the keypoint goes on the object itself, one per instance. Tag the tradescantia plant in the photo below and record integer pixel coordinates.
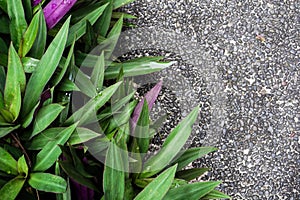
(48, 150)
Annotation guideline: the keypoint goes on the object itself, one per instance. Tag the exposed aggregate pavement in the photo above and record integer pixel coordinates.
(254, 45)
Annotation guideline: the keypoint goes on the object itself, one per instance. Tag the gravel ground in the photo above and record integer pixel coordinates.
(251, 112)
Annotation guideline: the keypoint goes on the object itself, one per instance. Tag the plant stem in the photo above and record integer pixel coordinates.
(37, 194)
(17, 140)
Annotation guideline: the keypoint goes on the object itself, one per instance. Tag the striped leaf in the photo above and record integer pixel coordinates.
(114, 175)
(7, 163)
(39, 45)
(15, 83)
(18, 24)
(22, 166)
(47, 182)
(78, 29)
(30, 35)
(185, 157)
(89, 110)
(45, 69)
(193, 191)
(190, 174)
(12, 188)
(215, 194)
(172, 146)
(158, 188)
(51, 151)
(45, 116)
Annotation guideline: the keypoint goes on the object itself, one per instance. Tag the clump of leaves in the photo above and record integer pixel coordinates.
(50, 151)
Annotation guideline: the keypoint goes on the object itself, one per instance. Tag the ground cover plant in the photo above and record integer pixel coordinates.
(59, 103)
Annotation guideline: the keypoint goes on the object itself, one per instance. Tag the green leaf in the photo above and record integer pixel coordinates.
(39, 45)
(158, 188)
(178, 183)
(117, 15)
(99, 146)
(137, 164)
(64, 63)
(78, 163)
(141, 132)
(171, 147)
(3, 59)
(129, 190)
(3, 46)
(115, 107)
(73, 173)
(6, 130)
(22, 166)
(114, 173)
(121, 139)
(47, 182)
(185, 157)
(11, 189)
(81, 11)
(89, 110)
(7, 163)
(15, 64)
(6, 115)
(18, 22)
(84, 84)
(97, 76)
(89, 60)
(42, 139)
(27, 9)
(16, 152)
(29, 64)
(194, 191)
(215, 194)
(2, 182)
(4, 24)
(13, 88)
(89, 38)
(49, 154)
(190, 174)
(155, 127)
(26, 121)
(66, 195)
(42, 74)
(2, 79)
(82, 135)
(30, 35)
(3, 5)
(67, 86)
(103, 23)
(120, 3)
(112, 38)
(142, 183)
(1, 101)
(45, 117)
(122, 117)
(78, 29)
(135, 69)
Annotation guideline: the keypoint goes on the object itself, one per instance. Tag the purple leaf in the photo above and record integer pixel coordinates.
(151, 96)
(36, 2)
(55, 10)
(81, 191)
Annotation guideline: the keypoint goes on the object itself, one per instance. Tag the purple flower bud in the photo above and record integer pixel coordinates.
(36, 2)
(151, 96)
(55, 10)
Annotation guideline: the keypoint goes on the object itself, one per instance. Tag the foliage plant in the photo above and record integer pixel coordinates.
(44, 145)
